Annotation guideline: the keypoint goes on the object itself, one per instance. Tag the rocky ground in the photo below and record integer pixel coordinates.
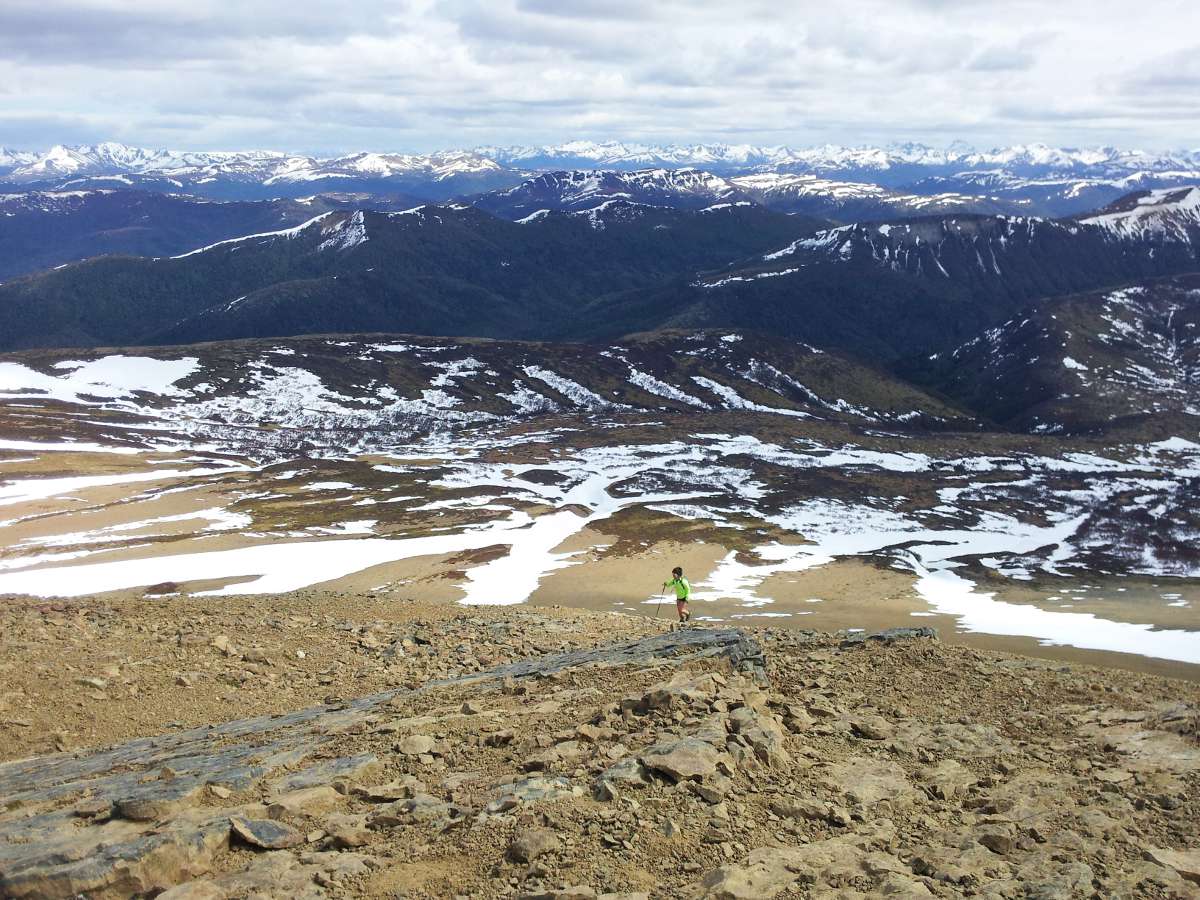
(376, 748)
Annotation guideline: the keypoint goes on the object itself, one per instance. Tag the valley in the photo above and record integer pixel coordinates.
(796, 487)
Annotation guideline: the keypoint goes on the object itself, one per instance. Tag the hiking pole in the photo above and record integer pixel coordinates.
(658, 609)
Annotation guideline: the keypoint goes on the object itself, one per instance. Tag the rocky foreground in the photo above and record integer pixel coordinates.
(554, 754)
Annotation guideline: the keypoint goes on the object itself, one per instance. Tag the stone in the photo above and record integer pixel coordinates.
(997, 841)
(903, 886)
(45, 849)
(1185, 862)
(280, 874)
(594, 733)
(867, 781)
(93, 808)
(499, 738)
(403, 789)
(116, 858)
(194, 890)
(888, 636)
(872, 728)
(796, 719)
(802, 809)
(569, 750)
(415, 745)
(768, 872)
(265, 833)
(530, 843)
(713, 790)
(685, 759)
(328, 771)
(417, 809)
(347, 832)
(306, 801)
(542, 761)
(683, 690)
(533, 789)
(762, 733)
(771, 870)
(148, 807)
(627, 772)
(948, 780)
(575, 892)
(222, 644)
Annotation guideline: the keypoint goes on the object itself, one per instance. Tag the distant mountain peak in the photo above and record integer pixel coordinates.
(1170, 213)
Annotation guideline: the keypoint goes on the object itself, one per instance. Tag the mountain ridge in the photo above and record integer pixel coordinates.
(879, 290)
(1053, 177)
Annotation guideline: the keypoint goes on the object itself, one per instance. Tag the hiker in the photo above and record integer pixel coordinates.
(683, 590)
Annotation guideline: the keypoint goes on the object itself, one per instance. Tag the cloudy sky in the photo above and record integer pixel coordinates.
(423, 74)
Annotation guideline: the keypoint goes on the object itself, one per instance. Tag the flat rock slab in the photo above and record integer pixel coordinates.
(866, 781)
(1185, 862)
(266, 834)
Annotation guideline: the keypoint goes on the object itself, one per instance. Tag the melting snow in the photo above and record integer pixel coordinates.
(110, 378)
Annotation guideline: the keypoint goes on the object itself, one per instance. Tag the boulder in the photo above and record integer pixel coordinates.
(683, 759)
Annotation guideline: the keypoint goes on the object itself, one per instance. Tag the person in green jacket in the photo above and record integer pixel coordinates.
(683, 590)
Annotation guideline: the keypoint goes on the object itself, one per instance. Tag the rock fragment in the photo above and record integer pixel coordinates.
(684, 759)
(530, 843)
(347, 831)
(265, 834)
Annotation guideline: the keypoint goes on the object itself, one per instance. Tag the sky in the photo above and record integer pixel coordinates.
(419, 75)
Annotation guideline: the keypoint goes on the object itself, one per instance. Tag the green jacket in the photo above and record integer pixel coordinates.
(683, 588)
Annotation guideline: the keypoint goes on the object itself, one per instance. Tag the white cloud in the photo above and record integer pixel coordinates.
(433, 73)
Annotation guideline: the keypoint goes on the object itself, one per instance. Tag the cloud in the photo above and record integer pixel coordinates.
(620, 10)
(1179, 71)
(1002, 59)
(423, 74)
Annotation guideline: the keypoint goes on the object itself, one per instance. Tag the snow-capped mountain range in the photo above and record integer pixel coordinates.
(833, 158)
(270, 166)
(890, 165)
(578, 190)
(839, 184)
(1156, 226)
